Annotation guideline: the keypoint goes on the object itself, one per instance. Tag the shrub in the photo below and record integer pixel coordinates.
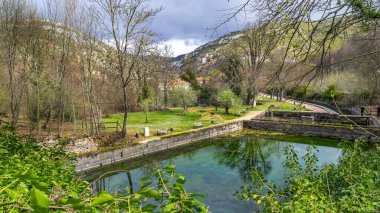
(184, 97)
(38, 179)
(108, 115)
(302, 92)
(353, 185)
(228, 99)
(331, 93)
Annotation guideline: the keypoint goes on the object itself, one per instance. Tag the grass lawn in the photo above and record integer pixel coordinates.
(174, 118)
(280, 106)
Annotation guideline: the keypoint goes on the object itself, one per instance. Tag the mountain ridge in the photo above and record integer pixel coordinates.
(206, 53)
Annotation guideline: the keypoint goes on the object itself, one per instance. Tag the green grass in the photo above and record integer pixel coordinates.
(279, 106)
(174, 118)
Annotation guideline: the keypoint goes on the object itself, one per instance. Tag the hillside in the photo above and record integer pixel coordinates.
(205, 56)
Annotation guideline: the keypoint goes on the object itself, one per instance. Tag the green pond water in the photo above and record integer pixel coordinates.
(218, 167)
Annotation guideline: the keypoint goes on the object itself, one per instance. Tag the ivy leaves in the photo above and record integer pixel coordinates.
(39, 201)
(350, 186)
(33, 178)
(161, 191)
(102, 198)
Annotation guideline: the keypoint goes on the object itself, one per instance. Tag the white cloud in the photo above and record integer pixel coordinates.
(182, 46)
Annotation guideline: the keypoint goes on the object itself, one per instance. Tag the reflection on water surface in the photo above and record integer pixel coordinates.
(217, 170)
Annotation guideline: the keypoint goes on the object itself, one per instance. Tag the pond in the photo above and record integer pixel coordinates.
(218, 167)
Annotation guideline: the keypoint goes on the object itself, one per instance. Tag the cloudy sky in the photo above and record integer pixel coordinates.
(183, 24)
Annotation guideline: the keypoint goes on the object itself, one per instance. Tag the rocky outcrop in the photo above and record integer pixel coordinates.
(77, 145)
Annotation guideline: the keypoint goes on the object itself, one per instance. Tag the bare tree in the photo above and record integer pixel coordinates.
(258, 42)
(156, 75)
(61, 15)
(311, 28)
(167, 74)
(34, 57)
(126, 24)
(12, 19)
(90, 51)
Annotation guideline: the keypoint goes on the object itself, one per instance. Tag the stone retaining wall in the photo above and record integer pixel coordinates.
(93, 161)
(330, 131)
(318, 116)
(321, 117)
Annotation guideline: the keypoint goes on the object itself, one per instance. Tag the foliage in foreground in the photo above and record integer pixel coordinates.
(352, 185)
(34, 178)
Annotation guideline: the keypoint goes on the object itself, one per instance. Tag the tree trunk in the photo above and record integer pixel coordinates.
(74, 116)
(124, 130)
(97, 118)
(61, 120)
(14, 100)
(249, 97)
(38, 110)
(166, 98)
(85, 115)
(278, 96)
(50, 122)
(253, 102)
(226, 108)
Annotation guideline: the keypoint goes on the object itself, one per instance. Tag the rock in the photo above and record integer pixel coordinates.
(74, 145)
(307, 119)
(198, 124)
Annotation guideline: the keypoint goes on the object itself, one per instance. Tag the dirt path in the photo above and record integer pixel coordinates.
(250, 115)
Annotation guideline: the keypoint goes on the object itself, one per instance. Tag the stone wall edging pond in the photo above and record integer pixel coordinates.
(329, 131)
(85, 163)
(319, 117)
(93, 161)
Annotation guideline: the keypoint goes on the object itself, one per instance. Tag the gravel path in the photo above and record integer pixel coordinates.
(250, 115)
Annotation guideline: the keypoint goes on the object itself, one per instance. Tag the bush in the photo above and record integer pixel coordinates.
(228, 100)
(301, 92)
(332, 93)
(108, 115)
(184, 97)
(353, 185)
(38, 179)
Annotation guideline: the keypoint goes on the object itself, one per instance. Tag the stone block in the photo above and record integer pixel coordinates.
(307, 119)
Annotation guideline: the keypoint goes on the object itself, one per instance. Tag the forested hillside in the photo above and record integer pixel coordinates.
(60, 67)
(294, 64)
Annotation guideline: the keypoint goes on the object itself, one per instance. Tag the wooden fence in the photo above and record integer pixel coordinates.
(68, 128)
(110, 125)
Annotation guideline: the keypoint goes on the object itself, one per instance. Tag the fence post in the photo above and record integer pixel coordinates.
(117, 125)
